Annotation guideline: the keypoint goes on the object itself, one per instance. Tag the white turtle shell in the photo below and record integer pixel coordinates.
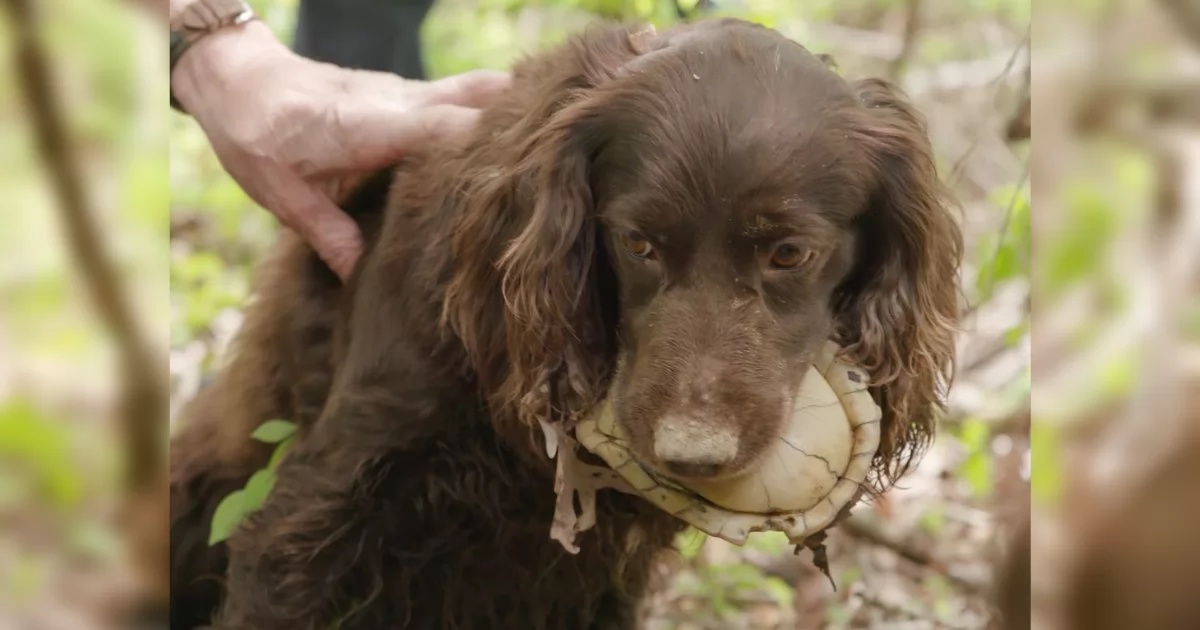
(814, 470)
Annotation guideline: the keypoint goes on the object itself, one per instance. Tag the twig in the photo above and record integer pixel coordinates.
(1020, 126)
(909, 613)
(861, 528)
(1003, 232)
(998, 82)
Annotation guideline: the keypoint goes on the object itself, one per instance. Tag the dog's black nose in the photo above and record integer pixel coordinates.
(693, 470)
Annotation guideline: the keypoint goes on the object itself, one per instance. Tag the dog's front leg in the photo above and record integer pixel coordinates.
(312, 553)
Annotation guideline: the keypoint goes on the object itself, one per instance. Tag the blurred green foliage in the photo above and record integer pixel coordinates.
(727, 587)
(37, 458)
(59, 451)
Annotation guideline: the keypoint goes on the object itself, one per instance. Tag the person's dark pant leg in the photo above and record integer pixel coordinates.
(364, 34)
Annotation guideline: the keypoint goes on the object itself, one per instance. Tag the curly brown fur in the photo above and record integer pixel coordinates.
(897, 315)
(507, 286)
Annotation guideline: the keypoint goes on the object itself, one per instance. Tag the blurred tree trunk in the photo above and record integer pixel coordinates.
(143, 400)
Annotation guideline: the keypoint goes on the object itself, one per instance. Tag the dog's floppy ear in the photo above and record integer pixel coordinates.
(897, 313)
(554, 316)
(524, 295)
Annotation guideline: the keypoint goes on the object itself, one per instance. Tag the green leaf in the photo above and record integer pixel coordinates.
(257, 489)
(279, 453)
(228, 516)
(274, 431)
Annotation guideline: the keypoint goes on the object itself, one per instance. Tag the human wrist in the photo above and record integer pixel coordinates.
(219, 61)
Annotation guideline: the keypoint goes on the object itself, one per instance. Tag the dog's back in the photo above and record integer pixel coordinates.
(280, 366)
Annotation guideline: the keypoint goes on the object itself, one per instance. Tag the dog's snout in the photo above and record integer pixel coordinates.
(694, 447)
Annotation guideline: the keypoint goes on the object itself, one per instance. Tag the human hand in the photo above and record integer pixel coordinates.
(295, 133)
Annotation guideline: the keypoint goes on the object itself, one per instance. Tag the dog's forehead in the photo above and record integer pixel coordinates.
(713, 53)
(722, 122)
(690, 162)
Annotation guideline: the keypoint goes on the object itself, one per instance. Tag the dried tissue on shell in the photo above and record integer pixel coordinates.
(814, 471)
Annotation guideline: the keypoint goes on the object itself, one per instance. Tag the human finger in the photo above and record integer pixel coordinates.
(477, 88)
(378, 137)
(325, 227)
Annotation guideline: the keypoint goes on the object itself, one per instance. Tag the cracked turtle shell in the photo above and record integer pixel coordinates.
(815, 469)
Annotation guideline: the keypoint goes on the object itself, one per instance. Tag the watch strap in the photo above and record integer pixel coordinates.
(200, 18)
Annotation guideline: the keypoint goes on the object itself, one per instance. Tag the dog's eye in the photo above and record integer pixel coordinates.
(637, 245)
(790, 256)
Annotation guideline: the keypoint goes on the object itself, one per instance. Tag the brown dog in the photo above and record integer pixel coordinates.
(684, 217)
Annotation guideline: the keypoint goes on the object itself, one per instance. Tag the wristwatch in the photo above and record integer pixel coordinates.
(199, 18)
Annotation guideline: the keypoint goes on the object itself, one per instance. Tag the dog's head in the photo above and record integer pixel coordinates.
(688, 217)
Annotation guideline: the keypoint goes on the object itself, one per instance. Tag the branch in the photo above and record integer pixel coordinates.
(999, 80)
(144, 397)
(908, 612)
(85, 244)
(1020, 126)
